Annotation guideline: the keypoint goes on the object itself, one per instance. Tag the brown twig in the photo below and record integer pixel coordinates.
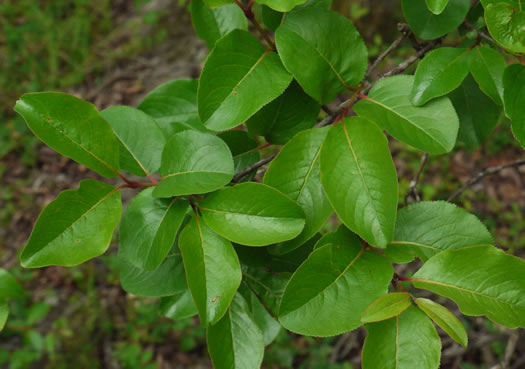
(481, 34)
(412, 192)
(405, 31)
(253, 167)
(484, 173)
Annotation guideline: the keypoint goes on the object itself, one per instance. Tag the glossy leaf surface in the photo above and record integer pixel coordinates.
(323, 50)
(253, 214)
(487, 66)
(505, 21)
(72, 127)
(75, 227)
(212, 270)
(240, 77)
(330, 291)
(495, 286)
(178, 306)
(427, 228)
(194, 162)
(436, 6)
(432, 128)
(386, 307)
(360, 179)
(296, 173)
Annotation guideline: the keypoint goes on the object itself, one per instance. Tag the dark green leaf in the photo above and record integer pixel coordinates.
(212, 270)
(495, 286)
(330, 291)
(216, 3)
(9, 286)
(296, 173)
(268, 286)
(323, 50)
(149, 227)
(505, 19)
(429, 26)
(141, 139)
(341, 236)
(72, 127)
(194, 162)
(178, 306)
(427, 228)
(432, 128)
(287, 115)
(253, 214)
(4, 312)
(271, 18)
(281, 5)
(407, 341)
(386, 307)
(514, 99)
(238, 141)
(440, 72)
(240, 77)
(76, 227)
(487, 66)
(360, 179)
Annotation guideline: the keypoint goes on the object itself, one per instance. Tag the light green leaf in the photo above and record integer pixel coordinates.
(240, 77)
(253, 214)
(440, 72)
(432, 128)
(478, 114)
(149, 227)
(360, 180)
(386, 307)
(212, 24)
(178, 306)
(167, 279)
(330, 291)
(281, 5)
(172, 104)
(284, 117)
(407, 341)
(9, 286)
(212, 269)
(323, 50)
(4, 312)
(236, 342)
(487, 66)
(76, 227)
(194, 162)
(444, 319)
(430, 26)
(427, 228)
(141, 139)
(505, 21)
(72, 127)
(296, 173)
(436, 6)
(514, 99)
(495, 286)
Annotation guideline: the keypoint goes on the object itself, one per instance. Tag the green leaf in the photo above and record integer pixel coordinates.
(440, 72)
(478, 114)
(255, 77)
(427, 228)
(271, 18)
(238, 141)
(4, 312)
(212, 24)
(330, 291)
(487, 66)
(430, 26)
(407, 341)
(495, 286)
(436, 6)
(386, 307)
(212, 269)
(236, 342)
(323, 50)
(167, 280)
(173, 103)
(432, 128)
(268, 286)
(360, 180)
(290, 113)
(216, 3)
(505, 21)
(149, 227)
(73, 128)
(296, 173)
(444, 319)
(76, 227)
(253, 214)
(9, 286)
(178, 306)
(141, 140)
(340, 237)
(194, 162)
(281, 5)
(514, 99)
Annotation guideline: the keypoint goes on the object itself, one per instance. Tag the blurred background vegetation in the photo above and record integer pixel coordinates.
(112, 52)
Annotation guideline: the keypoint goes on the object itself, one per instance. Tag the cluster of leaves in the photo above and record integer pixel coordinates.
(248, 257)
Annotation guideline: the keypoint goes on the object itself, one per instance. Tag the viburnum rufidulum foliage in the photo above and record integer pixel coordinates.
(246, 253)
